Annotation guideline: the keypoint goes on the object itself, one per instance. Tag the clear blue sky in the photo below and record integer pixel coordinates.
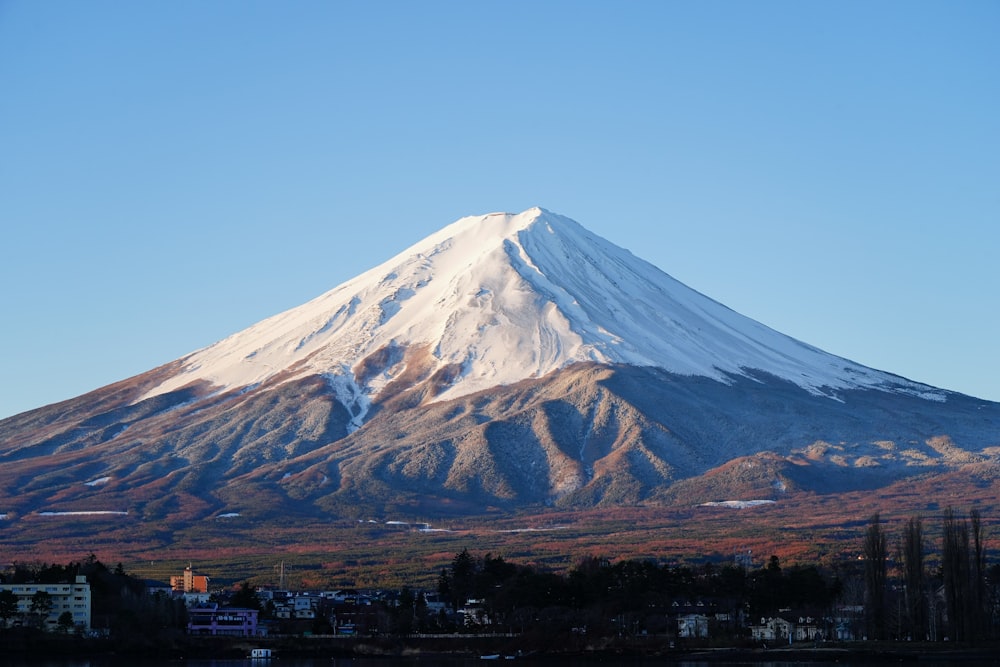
(172, 172)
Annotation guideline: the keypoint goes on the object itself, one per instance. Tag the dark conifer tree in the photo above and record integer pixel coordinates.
(955, 573)
(875, 578)
(913, 578)
(977, 575)
(245, 597)
(463, 578)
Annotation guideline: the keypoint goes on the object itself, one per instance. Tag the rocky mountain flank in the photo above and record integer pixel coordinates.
(506, 363)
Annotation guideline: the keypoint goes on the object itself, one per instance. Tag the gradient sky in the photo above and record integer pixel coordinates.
(172, 172)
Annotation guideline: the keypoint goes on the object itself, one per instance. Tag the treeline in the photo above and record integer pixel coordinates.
(120, 604)
(959, 600)
(630, 597)
(892, 589)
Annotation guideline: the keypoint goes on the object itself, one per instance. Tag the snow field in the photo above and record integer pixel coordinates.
(507, 297)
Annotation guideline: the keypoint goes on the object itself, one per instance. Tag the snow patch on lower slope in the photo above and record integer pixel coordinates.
(85, 513)
(356, 401)
(737, 504)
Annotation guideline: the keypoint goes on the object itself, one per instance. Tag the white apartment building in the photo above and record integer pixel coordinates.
(65, 597)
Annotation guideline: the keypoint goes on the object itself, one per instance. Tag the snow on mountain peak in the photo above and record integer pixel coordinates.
(503, 297)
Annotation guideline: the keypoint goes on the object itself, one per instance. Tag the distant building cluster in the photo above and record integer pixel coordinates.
(350, 612)
(346, 612)
(67, 606)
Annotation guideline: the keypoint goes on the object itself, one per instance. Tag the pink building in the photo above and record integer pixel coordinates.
(232, 621)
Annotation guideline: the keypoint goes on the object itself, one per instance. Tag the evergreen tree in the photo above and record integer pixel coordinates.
(65, 623)
(913, 578)
(41, 605)
(8, 606)
(403, 614)
(955, 572)
(463, 578)
(875, 578)
(977, 575)
(245, 597)
(421, 613)
(444, 585)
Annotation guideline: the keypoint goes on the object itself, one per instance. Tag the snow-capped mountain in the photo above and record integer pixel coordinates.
(507, 361)
(505, 297)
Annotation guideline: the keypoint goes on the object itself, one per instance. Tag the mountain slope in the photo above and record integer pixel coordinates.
(606, 435)
(503, 363)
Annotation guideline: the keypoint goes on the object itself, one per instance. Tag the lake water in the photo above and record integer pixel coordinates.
(427, 661)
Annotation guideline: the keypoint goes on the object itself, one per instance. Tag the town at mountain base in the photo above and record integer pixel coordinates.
(936, 596)
(507, 365)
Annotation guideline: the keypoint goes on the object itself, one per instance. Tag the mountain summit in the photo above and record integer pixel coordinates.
(508, 361)
(491, 300)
